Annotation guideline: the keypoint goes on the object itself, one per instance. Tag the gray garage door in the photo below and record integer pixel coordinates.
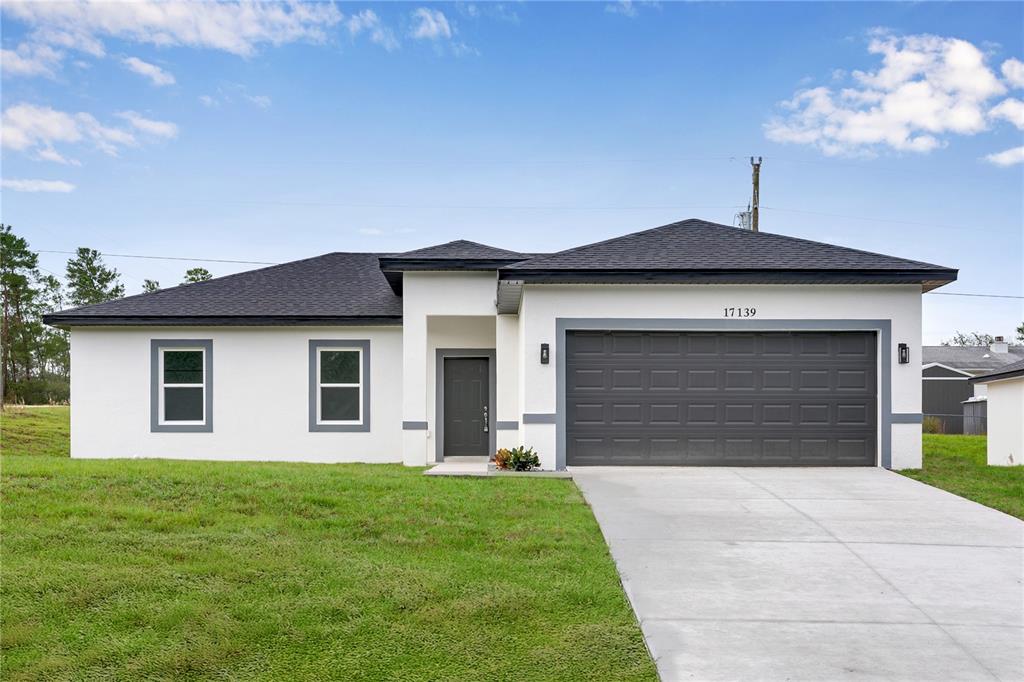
(702, 399)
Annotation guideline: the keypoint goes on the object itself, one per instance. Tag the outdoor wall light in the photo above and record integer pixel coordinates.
(904, 352)
(545, 354)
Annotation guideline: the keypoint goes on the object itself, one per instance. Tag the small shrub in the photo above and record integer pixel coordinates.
(931, 425)
(517, 459)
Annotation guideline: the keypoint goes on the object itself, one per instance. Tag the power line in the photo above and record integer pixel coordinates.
(204, 260)
(951, 293)
(872, 220)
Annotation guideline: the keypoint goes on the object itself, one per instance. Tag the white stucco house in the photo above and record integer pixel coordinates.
(687, 344)
(1005, 414)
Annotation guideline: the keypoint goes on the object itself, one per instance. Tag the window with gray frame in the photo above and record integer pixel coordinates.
(339, 385)
(181, 391)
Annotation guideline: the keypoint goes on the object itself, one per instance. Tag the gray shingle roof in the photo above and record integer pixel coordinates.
(334, 288)
(1005, 372)
(460, 249)
(700, 245)
(970, 357)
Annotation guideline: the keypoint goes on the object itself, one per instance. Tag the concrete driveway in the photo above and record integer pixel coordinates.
(813, 574)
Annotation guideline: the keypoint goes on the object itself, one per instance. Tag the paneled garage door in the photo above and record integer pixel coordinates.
(728, 399)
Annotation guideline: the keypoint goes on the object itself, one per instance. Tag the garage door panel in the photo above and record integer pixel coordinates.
(768, 398)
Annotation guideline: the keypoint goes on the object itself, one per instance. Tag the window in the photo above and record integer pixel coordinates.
(339, 390)
(181, 392)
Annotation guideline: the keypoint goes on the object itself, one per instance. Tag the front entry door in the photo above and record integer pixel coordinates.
(466, 389)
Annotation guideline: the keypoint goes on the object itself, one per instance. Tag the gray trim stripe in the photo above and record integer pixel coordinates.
(882, 327)
(154, 379)
(492, 397)
(414, 426)
(314, 346)
(907, 418)
(507, 426)
(540, 418)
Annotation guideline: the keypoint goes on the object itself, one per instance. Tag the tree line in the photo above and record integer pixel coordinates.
(35, 358)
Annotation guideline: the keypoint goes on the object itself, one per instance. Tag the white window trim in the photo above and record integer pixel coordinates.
(320, 385)
(161, 394)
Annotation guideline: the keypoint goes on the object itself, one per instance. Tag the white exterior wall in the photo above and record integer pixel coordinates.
(542, 304)
(427, 294)
(1006, 422)
(508, 410)
(260, 396)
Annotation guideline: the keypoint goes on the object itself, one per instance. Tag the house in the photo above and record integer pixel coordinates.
(692, 343)
(1005, 413)
(947, 394)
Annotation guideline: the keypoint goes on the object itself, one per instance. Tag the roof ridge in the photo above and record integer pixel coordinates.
(605, 241)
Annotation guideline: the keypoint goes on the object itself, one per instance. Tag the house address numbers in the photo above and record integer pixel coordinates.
(740, 312)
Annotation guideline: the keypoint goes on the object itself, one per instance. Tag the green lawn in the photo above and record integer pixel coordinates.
(957, 464)
(123, 569)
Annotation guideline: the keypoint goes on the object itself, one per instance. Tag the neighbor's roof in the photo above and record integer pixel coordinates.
(1010, 371)
(970, 357)
(336, 288)
(695, 247)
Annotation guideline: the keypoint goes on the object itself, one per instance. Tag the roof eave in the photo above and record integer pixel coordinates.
(66, 321)
(928, 279)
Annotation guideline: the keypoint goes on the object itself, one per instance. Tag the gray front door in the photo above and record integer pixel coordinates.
(731, 399)
(466, 391)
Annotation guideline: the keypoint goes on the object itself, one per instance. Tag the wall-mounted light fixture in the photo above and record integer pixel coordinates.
(545, 354)
(904, 353)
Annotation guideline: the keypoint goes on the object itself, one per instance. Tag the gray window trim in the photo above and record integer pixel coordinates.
(883, 328)
(492, 392)
(314, 347)
(155, 346)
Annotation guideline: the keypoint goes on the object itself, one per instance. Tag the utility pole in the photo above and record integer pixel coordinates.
(755, 199)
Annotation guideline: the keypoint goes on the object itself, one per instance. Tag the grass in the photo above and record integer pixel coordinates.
(958, 464)
(136, 569)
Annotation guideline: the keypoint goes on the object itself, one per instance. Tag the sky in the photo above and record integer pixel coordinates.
(272, 132)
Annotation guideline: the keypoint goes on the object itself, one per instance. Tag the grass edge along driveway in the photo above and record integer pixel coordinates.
(169, 569)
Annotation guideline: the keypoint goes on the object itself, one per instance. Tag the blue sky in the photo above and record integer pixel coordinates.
(276, 132)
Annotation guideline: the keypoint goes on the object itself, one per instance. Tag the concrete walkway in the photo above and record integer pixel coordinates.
(813, 574)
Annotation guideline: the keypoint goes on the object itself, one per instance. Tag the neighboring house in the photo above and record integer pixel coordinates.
(691, 343)
(947, 393)
(1005, 413)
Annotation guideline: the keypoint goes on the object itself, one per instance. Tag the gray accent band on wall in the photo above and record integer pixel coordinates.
(414, 426)
(882, 327)
(492, 380)
(506, 426)
(154, 378)
(314, 346)
(540, 418)
(907, 418)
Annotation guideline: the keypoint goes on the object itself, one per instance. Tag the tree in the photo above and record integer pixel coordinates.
(971, 339)
(18, 271)
(193, 275)
(54, 345)
(1020, 332)
(90, 280)
(150, 285)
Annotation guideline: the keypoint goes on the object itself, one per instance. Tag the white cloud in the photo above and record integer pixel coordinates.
(51, 154)
(1013, 72)
(151, 71)
(927, 87)
(368, 21)
(235, 27)
(1010, 109)
(431, 24)
(1009, 157)
(36, 129)
(163, 129)
(37, 185)
(262, 101)
(623, 7)
(371, 231)
(209, 101)
(30, 59)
